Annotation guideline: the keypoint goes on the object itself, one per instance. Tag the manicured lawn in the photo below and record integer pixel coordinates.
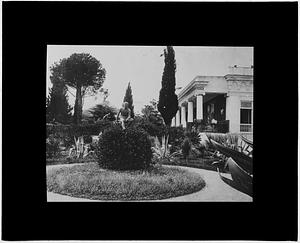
(90, 181)
(59, 160)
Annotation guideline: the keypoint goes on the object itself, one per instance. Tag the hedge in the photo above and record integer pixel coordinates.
(69, 131)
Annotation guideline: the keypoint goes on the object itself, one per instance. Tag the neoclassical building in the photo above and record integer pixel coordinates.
(220, 103)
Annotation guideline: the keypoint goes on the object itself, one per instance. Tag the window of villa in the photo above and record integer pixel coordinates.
(246, 117)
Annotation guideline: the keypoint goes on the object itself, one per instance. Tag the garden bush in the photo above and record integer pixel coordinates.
(151, 128)
(193, 136)
(67, 132)
(176, 137)
(128, 149)
(52, 146)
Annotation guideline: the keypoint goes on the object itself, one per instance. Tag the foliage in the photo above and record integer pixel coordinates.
(90, 181)
(68, 132)
(193, 137)
(103, 110)
(127, 149)
(239, 157)
(161, 151)
(229, 140)
(57, 106)
(239, 164)
(150, 109)
(151, 120)
(79, 149)
(186, 148)
(151, 113)
(82, 72)
(176, 137)
(153, 129)
(52, 147)
(168, 101)
(128, 98)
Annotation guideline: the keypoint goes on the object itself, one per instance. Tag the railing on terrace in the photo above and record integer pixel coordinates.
(246, 128)
(220, 127)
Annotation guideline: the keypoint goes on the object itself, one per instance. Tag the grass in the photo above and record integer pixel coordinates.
(92, 182)
(62, 159)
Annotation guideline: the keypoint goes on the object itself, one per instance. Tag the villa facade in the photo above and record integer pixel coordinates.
(218, 103)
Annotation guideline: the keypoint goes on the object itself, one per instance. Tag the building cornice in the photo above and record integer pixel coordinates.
(236, 77)
(200, 82)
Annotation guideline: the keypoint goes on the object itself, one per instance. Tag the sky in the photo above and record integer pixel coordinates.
(143, 66)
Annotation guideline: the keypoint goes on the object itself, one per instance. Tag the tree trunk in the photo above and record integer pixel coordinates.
(168, 126)
(78, 106)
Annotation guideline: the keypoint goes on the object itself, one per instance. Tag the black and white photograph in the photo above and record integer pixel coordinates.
(149, 123)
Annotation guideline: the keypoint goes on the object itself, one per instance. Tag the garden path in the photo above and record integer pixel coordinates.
(215, 190)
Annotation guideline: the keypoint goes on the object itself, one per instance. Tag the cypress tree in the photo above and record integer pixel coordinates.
(57, 106)
(168, 101)
(128, 98)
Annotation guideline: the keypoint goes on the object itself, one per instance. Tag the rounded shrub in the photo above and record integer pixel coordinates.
(128, 149)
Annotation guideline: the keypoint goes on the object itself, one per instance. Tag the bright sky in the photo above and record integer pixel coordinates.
(142, 66)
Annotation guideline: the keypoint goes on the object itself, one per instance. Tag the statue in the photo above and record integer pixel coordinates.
(124, 114)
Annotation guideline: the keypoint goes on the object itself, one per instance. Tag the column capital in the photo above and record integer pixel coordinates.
(183, 104)
(200, 93)
(191, 98)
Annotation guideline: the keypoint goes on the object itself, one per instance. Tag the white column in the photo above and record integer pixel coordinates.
(199, 107)
(173, 122)
(178, 118)
(183, 118)
(190, 111)
(233, 113)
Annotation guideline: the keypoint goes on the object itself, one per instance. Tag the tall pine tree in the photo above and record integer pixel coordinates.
(82, 72)
(128, 98)
(168, 101)
(57, 106)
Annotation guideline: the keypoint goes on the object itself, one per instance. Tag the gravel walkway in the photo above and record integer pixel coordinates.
(215, 190)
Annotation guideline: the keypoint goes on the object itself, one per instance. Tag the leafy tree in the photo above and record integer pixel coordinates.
(128, 98)
(168, 101)
(82, 72)
(151, 113)
(101, 110)
(57, 106)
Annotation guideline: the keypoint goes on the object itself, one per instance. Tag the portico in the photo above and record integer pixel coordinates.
(210, 102)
